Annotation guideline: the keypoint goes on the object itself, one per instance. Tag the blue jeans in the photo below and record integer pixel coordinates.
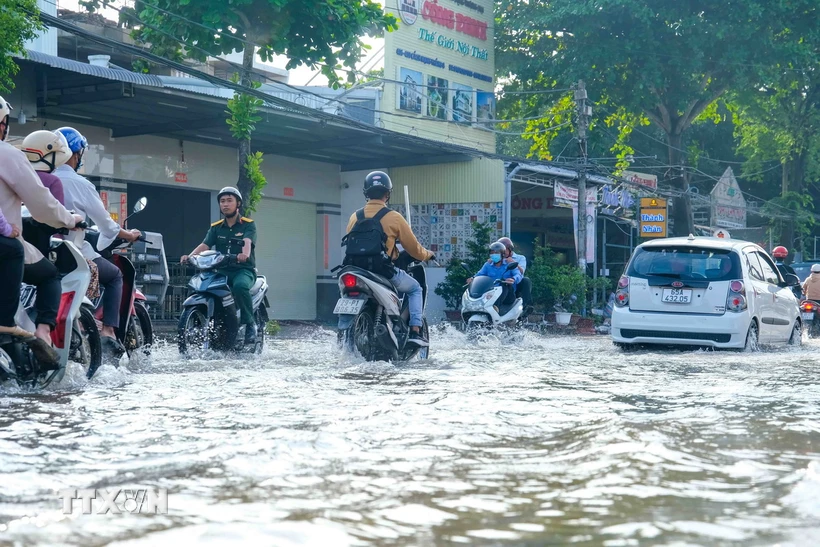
(404, 283)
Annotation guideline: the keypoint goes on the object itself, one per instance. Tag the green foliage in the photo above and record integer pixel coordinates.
(452, 287)
(16, 28)
(326, 35)
(272, 328)
(554, 284)
(568, 284)
(253, 168)
(796, 210)
(243, 110)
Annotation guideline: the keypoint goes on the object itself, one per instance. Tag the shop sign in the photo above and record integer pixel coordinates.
(642, 179)
(619, 197)
(567, 196)
(437, 14)
(181, 177)
(653, 222)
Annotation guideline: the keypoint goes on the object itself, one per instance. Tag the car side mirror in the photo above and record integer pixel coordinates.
(511, 266)
(791, 280)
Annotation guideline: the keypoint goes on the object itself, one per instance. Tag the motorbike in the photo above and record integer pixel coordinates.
(478, 303)
(210, 317)
(374, 318)
(135, 331)
(810, 313)
(75, 337)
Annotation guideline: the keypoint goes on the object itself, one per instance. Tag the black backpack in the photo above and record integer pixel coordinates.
(366, 245)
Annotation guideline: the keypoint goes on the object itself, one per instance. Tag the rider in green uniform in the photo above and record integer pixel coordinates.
(235, 235)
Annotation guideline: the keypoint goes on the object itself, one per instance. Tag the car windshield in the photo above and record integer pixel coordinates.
(694, 263)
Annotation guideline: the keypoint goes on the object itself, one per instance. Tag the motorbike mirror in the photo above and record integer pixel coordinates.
(511, 266)
(140, 204)
(466, 268)
(791, 280)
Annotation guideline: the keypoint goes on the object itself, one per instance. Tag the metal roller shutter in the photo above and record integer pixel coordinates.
(286, 256)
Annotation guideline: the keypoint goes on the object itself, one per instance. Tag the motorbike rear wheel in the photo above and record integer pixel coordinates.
(360, 337)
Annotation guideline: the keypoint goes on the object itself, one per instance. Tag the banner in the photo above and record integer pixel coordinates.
(591, 218)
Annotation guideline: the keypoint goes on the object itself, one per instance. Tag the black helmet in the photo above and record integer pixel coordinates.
(497, 247)
(376, 181)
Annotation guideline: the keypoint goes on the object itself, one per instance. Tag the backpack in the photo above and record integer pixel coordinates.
(366, 245)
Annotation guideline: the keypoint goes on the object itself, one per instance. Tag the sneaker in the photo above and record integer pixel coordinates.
(418, 339)
(250, 335)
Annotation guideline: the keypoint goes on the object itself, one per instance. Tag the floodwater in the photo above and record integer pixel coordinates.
(536, 441)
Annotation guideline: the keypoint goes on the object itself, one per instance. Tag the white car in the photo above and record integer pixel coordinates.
(704, 291)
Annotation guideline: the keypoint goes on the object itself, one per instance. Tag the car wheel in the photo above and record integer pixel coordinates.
(796, 339)
(753, 338)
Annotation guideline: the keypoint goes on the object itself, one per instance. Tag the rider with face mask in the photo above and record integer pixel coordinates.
(496, 268)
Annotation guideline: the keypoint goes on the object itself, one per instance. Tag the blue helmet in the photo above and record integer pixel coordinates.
(76, 141)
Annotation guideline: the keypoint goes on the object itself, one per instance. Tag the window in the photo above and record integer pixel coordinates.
(769, 269)
(688, 263)
(754, 266)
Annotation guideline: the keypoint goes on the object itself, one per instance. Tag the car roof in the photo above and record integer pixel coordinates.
(701, 242)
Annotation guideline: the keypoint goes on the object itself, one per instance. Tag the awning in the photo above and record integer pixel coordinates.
(133, 104)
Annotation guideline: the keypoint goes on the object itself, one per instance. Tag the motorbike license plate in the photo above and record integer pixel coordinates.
(808, 316)
(348, 306)
(677, 296)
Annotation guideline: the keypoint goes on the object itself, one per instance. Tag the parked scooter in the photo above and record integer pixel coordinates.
(373, 319)
(75, 337)
(135, 329)
(210, 317)
(479, 308)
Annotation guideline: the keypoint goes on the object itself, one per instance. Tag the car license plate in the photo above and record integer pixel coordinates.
(348, 306)
(808, 316)
(677, 296)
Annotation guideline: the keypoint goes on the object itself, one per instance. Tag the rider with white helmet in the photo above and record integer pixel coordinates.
(82, 196)
(224, 236)
(19, 183)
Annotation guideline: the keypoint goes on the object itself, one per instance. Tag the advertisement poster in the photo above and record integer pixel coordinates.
(486, 108)
(438, 95)
(463, 99)
(410, 90)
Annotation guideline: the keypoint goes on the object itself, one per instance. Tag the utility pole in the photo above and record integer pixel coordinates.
(584, 114)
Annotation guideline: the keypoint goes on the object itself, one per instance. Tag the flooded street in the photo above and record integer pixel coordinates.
(548, 441)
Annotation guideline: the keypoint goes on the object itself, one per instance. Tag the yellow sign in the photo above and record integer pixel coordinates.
(653, 222)
(653, 202)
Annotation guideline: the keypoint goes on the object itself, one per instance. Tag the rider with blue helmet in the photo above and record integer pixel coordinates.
(82, 197)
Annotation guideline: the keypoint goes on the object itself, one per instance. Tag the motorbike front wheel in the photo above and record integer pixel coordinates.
(193, 330)
(86, 345)
(145, 326)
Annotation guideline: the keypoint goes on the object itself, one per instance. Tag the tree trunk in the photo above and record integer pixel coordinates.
(243, 184)
(682, 206)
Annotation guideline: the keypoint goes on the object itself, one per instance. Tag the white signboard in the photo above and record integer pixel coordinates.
(650, 181)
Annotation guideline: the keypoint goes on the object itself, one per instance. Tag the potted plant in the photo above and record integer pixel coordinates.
(568, 286)
(452, 287)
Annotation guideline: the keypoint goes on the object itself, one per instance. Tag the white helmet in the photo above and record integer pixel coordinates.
(5, 112)
(46, 150)
(815, 268)
(229, 191)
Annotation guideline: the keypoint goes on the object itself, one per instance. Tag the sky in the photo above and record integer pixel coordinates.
(297, 76)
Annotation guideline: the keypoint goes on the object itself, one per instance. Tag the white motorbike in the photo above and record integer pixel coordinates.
(76, 336)
(374, 320)
(479, 308)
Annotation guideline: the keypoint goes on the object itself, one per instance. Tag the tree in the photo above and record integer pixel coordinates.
(16, 28)
(664, 60)
(778, 119)
(326, 34)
